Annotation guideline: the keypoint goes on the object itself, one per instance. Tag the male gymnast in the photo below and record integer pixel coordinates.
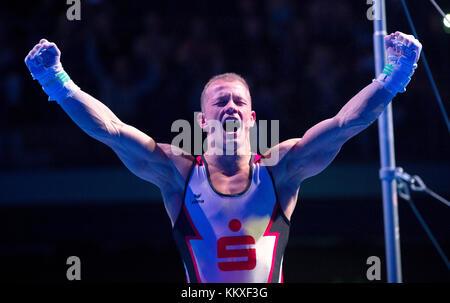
(230, 211)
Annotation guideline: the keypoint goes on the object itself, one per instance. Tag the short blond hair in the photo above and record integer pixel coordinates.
(227, 77)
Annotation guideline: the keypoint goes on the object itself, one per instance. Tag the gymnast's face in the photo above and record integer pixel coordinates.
(228, 104)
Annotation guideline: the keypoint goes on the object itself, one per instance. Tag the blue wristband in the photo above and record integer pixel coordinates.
(57, 84)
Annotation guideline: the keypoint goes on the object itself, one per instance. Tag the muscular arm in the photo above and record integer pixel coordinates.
(139, 152)
(306, 157)
(321, 143)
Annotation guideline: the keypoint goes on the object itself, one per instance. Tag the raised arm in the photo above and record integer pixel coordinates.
(144, 157)
(312, 153)
(139, 152)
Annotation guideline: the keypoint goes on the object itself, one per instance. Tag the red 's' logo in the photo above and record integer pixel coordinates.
(224, 252)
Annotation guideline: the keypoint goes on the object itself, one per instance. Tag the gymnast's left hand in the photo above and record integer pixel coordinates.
(402, 48)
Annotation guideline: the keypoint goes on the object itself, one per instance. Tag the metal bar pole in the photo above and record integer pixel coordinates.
(387, 157)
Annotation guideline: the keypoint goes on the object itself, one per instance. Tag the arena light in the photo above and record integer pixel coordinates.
(446, 21)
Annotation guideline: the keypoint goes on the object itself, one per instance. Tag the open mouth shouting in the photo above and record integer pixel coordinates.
(231, 124)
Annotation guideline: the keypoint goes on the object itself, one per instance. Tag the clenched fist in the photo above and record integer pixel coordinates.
(402, 48)
(44, 55)
(403, 52)
(43, 62)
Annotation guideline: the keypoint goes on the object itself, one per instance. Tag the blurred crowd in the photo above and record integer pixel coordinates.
(148, 62)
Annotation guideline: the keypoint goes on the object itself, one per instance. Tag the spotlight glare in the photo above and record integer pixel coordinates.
(445, 21)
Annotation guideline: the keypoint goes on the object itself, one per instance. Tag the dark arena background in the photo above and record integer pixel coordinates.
(64, 194)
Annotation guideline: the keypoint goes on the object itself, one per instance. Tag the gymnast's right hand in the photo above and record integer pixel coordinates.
(43, 62)
(43, 56)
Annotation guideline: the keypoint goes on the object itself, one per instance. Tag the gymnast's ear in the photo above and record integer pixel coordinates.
(253, 120)
(201, 120)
